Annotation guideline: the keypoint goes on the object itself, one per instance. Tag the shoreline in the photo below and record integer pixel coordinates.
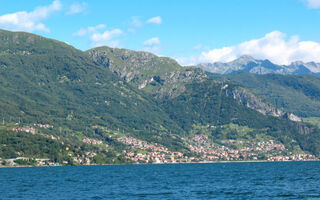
(205, 162)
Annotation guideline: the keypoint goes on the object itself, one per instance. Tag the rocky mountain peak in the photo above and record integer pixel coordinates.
(161, 76)
(244, 59)
(247, 63)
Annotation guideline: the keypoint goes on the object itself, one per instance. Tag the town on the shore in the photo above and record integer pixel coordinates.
(142, 152)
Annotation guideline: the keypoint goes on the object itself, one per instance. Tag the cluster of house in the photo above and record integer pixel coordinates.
(155, 157)
(84, 159)
(38, 161)
(52, 137)
(144, 152)
(153, 153)
(91, 141)
(247, 150)
(31, 130)
(140, 144)
(265, 146)
(298, 157)
(46, 126)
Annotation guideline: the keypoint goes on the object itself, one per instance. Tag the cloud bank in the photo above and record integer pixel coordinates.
(29, 21)
(275, 46)
(106, 38)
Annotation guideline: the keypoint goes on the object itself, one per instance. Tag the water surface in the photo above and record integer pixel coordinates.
(274, 180)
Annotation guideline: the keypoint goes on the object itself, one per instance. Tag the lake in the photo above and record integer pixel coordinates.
(261, 180)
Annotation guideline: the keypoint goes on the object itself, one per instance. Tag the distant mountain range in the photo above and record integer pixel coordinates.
(249, 64)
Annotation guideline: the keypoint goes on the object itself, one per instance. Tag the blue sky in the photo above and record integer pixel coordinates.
(189, 31)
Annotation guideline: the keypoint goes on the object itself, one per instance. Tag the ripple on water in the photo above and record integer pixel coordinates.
(290, 180)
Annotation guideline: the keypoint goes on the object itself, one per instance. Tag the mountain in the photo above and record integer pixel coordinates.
(298, 94)
(163, 77)
(195, 99)
(208, 104)
(41, 78)
(44, 81)
(109, 105)
(160, 76)
(302, 67)
(249, 64)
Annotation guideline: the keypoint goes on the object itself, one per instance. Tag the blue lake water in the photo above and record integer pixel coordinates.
(276, 180)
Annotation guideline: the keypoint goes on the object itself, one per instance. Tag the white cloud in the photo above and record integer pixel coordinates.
(152, 41)
(106, 38)
(155, 20)
(91, 29)
(152, 45)
(274, 46)
(29, 21)
(185, 61)
(313, 3)
(77, 8)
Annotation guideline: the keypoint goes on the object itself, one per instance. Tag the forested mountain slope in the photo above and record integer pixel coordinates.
(299, 94)
(49, 82)
(105, 105)
(201, 100)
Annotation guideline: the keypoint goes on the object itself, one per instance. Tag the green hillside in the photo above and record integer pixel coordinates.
(43, 80)
(54, 150)
(299, 94)
(207, 104)
(105, 105)
(196, 99)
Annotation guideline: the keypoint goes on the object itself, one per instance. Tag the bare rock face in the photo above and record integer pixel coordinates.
(128, 64)
(249, 100)
(174, 82)
(162, 77)
(294, 118)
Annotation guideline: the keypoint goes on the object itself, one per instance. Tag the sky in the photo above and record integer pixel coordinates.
(189, 31)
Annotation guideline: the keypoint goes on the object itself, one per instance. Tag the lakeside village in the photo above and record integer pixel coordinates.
(203, 150)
